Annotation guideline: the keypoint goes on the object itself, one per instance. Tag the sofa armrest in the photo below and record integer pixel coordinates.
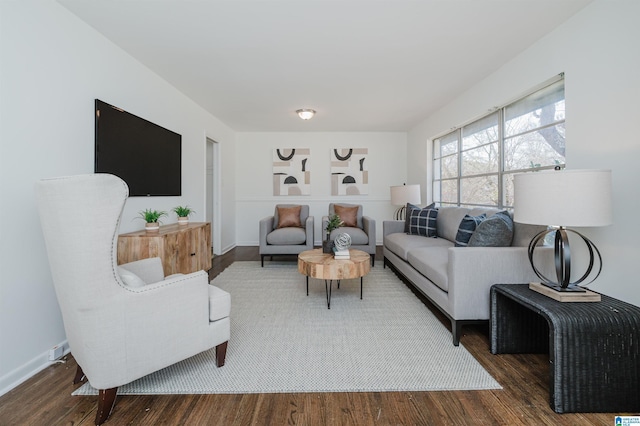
(369, 228)
(323, 230)
(473, 270)
(309, 232)
(392, 227)
(266, 226)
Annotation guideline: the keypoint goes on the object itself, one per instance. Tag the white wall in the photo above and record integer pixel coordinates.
(598, 51)
(53, 67)
(254, 189)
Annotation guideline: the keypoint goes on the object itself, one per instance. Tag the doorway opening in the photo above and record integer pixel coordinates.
(212, 197)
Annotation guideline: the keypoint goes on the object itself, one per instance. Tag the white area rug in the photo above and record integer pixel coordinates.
(285, 341)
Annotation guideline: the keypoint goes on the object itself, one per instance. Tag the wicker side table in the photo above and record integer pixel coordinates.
(594, 347)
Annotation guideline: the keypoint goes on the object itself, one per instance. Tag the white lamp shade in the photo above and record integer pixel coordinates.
(403, 194)
(563, 198)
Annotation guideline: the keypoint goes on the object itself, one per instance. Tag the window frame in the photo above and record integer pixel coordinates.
(456, 134)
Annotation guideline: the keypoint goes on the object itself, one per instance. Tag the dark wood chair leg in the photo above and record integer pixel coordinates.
(106, 402)
(221, 353)
(79, 376)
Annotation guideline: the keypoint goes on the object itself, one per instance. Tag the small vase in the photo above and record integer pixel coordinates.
(327, 246)
(152, 227)
(183, 220)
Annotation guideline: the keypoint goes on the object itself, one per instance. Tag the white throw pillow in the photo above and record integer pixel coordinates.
(130, 279)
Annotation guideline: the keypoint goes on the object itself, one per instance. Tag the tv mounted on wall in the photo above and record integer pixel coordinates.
(146, 156)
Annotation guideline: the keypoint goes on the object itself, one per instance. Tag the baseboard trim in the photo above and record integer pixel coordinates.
(28, 370)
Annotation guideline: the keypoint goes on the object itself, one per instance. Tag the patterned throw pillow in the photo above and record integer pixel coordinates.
(423, 222)
(466, 228)
(407, 214)
(494, 231)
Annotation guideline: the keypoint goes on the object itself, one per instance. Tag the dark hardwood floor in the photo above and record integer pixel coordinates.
(46, 399)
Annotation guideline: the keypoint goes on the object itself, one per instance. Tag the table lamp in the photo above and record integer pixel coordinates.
(403, 194)
(558, 199)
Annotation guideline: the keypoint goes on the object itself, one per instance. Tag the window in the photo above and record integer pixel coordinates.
(474, 165)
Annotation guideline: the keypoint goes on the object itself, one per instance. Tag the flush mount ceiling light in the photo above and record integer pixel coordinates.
(305, 114)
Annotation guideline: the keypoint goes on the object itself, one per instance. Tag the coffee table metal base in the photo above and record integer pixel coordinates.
(327, 286)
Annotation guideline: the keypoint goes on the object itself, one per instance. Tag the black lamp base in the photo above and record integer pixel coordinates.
(400, 213)
(562, 258)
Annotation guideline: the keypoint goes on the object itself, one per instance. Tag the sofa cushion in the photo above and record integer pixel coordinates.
(289, 217)
(423, 222)
(466, 228)
(219, 303)
(348, 215)
(358, 236)
(401, 244)
(495, 231)
(432, 263)
(287, 236)
(449, 219)
(407, 214)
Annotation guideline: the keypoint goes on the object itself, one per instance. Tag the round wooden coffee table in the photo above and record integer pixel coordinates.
(316, 264)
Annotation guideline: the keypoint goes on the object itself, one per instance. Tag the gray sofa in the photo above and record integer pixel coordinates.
(457, 279)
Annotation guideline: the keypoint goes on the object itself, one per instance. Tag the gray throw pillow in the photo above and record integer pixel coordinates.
(468, 225)
(494, 231)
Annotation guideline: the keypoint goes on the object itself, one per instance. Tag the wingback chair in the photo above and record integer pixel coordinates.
(121, 322)
(288, 231)
(361, 229)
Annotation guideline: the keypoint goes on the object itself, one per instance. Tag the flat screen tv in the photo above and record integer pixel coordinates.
(146, 156)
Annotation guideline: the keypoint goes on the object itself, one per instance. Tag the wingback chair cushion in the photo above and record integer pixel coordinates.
(130, 279)
(289, 217)
(219, 303)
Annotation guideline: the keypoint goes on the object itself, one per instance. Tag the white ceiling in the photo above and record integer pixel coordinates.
(363, 65)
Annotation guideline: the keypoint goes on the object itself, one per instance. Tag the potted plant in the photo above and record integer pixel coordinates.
(183, 213)
(152, 219)
(334, 223)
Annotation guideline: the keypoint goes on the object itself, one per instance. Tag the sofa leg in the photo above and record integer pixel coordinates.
(106, 402)
(262, 260)
(456, 330)
(373, 260)
(221, 353)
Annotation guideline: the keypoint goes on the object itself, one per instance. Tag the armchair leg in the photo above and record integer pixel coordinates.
(106, 402)
(221, 353)
(262, 260)
(373, 260)
(79, 377)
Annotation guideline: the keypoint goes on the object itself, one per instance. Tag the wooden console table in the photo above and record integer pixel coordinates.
(594, 347)
(182, 248)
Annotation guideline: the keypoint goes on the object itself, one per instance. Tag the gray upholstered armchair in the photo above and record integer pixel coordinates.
(361, 229)
(122, 322)
(288, 231)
